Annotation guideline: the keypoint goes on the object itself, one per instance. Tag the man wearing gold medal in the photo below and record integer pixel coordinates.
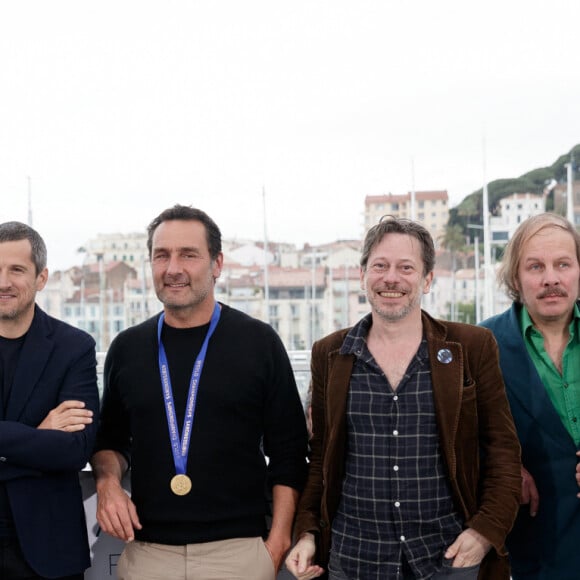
(195, 398)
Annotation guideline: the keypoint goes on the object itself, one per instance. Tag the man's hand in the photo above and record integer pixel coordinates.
(116, 513)
(469, 549)
(69, 416)
(530, 491)
(299, 560)
(277, 549)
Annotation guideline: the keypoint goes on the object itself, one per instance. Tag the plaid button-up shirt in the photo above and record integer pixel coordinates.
(395, 498)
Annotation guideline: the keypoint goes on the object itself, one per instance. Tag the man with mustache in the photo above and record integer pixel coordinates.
(539, 343)
(415, 466)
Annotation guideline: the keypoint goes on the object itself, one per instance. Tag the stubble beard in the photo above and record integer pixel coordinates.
(16, 312)
(197, 298)
(394, 315)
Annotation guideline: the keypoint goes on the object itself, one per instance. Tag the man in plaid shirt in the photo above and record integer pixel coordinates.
(415, 466)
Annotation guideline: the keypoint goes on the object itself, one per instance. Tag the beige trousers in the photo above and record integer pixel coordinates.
(235, 559)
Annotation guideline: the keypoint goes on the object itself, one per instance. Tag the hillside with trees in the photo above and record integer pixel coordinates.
(535, 181)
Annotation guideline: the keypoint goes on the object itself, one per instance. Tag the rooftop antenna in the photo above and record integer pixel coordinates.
(487, 290)
(569, 191)
(413, 213)
(266, 281)
(29, 202)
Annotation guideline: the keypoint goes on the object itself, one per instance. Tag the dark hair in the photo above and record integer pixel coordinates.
(16, 231)
(389, 224)
(508, 271)
(188, 213)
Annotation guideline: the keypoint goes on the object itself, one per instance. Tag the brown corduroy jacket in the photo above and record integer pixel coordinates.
(477, 436)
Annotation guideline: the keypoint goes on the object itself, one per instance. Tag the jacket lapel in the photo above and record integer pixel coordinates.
(446, 360)
(523, 384)
(33, 358)
(340, 370)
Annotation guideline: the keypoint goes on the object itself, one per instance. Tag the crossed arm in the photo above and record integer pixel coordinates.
(69, 416)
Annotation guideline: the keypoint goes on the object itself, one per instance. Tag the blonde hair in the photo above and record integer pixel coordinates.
(508, 271)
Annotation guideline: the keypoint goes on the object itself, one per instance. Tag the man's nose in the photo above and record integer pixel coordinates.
(174, 265)
(551, 276)
(4, 279)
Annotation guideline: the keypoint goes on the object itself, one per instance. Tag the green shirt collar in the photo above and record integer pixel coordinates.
(526, 324)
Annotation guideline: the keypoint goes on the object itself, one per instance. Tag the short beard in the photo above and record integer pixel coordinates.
(394, 316)
(198, 298)
(17, 312)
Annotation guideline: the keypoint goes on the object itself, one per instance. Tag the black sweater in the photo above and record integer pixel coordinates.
(247, 401)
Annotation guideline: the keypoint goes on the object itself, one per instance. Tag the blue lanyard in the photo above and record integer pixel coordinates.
(180, 446)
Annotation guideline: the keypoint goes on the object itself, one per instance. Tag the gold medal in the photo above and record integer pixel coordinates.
(180, 484)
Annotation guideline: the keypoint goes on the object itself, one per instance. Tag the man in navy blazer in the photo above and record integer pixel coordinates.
(539, 345)
(48, 406)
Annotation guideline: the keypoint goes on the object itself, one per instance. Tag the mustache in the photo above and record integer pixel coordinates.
(554, 291)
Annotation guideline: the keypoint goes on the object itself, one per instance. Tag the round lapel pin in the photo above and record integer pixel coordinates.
(444, 356)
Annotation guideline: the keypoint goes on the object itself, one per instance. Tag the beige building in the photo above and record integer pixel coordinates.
(431, 209)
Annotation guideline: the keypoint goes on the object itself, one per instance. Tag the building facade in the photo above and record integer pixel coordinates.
(431, 209)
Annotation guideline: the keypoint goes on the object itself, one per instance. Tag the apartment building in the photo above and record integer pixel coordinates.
(513, 210)
(431, 209)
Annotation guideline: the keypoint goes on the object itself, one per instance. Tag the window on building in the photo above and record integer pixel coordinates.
(296, 293)
(362, 299)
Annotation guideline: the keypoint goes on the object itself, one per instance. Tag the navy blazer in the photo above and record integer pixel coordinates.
(40, 466)
(547, 546)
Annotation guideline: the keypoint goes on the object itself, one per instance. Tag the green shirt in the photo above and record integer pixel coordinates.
(563, 389)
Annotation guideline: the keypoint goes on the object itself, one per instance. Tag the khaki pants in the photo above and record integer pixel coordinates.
(236, 559)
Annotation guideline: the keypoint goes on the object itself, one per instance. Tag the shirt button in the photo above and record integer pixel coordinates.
(395, 432)
(397, 504)
(402, 538)
(565, 385)
(2, 458)
(396, 468)
(574, 419)
(395, 398)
